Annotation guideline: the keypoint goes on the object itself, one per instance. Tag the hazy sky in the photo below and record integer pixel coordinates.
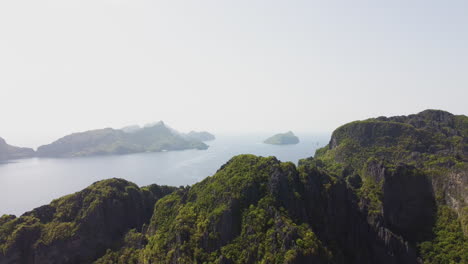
(225, 66)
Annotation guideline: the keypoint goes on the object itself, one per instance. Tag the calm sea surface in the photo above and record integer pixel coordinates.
(29, 183)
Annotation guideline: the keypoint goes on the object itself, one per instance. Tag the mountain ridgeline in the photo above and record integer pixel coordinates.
(156, 137)
(108, 141)
(384, 190)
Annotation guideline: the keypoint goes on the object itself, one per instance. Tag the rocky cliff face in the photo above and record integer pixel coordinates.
(411, 174)
(8, 152)
(78, 228)
(240, 205)
(285, 214)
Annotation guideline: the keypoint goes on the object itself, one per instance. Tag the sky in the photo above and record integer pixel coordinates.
(242, 66)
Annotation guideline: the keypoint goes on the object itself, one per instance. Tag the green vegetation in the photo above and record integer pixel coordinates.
(273, 238)
(282, 139)
(433, 142)
(416, 140)
(129, 250)
(371, 196)
(449, 244)
(108, 141)
(79, 225)
(216, 218)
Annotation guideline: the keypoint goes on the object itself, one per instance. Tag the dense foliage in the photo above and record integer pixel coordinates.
(78, 227)
(432, 143)
(212, 221)
(450, 245)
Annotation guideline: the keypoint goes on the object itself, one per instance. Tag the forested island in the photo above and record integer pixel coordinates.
(287, 138)
(384, 190)
(108, 141)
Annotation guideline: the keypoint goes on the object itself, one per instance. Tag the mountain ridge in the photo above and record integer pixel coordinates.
(151, 138)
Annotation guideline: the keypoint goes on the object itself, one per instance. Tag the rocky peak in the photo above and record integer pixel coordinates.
(79, 227)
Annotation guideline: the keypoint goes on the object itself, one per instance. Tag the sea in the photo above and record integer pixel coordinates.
(28, 183)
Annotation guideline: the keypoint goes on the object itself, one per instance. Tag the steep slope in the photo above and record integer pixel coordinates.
(161, 137)
(244, 203)
(79, 227)
(410, 174)
(283, 213)
(8, 152)
(238, 206)
(157, 137)
(260, 210)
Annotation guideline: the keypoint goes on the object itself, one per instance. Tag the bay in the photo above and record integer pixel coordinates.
(28, 183)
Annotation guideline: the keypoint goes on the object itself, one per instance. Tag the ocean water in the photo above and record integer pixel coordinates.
(28, 183)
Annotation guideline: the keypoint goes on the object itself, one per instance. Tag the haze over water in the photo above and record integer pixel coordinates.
(29, 183)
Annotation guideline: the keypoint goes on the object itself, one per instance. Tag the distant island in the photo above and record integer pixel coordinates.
(132, 139)
(287, 138)
(8, 152)
(202, 136)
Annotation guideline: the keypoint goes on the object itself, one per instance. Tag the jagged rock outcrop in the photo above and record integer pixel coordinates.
(344, 222)
(239, 205)
(409, 173)
(80, 227)
(8, 152)
(214, 219)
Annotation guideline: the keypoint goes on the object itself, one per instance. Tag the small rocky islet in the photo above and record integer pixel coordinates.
(287, 138)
